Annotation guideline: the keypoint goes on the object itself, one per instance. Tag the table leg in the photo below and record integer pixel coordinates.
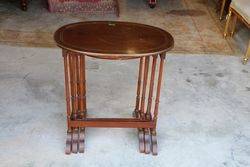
(138, 94)
(143, 134)
(228, 20)
(144, 88)
(148, 112)
(68, 100)
(147, 136)
(157, 101)
(74, 97)
(137, 111)
(82, 100)
(154, 142)
(151, 88)
(234, 21)
(222, 8)
(75, 89)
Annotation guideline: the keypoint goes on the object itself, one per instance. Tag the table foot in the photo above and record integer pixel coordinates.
(147, 141)
(68, 143)
(154, 144)
(75, 141)
(81, 140)
(141, 141)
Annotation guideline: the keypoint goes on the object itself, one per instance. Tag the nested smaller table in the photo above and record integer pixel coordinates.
(113, 41)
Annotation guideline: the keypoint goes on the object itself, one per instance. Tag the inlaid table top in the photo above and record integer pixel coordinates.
(113, 40)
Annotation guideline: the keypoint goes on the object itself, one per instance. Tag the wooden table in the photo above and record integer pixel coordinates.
(113, 41)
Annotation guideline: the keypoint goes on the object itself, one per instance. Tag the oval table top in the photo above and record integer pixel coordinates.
(113, 40)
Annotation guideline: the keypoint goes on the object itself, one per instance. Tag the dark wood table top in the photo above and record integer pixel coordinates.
(113, 40)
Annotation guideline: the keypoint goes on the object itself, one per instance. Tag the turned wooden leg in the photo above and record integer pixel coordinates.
(82, 100)
(156, 108)
(227, 23)
(158, 91)
(75, 88)
(147, 135)
(147, 141)
(233, 25)
(151, 88)
(140, 99)
(75, 137)
(81, 140)
(144, 88)
(222, 8)
(66, 57)
(24, 4)
(72, 64)
(154, 142)
(137, 112)
(68, 143)
(82, 87)
(143, 98)
(74, 97)
(247, 55)
(138, 92)
(141, 140)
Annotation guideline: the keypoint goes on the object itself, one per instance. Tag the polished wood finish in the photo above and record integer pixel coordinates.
(112, 122)
(224, 5)
(107, 43)
(136, 112)
(66, 74)
(113, 40)
(157, 99)
(144, 88)
(151, 88)
(75, 90)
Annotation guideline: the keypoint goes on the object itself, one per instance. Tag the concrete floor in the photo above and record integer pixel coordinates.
(204, 116)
